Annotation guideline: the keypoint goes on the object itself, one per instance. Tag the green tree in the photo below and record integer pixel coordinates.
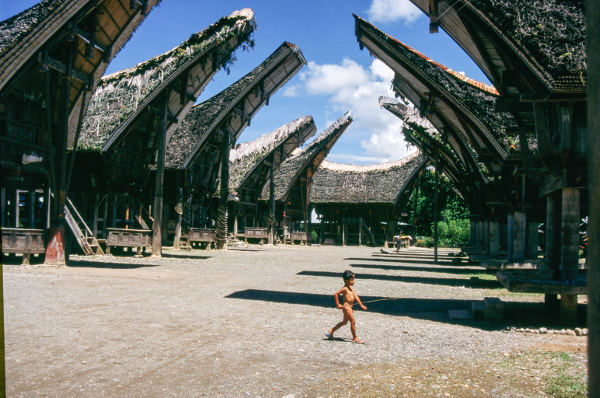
(453, 215)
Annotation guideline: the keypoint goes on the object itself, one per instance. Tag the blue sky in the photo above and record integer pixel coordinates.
(338, 77)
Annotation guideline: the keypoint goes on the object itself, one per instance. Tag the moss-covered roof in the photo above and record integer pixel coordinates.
(122, 93)
(551, 31)
(382, 183)
(475, 97)
(289, 171)
(204, 118)
(244, 158)
(13, 29)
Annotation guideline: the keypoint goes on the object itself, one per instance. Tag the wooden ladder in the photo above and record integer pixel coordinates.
(83, 235)
(362, 224)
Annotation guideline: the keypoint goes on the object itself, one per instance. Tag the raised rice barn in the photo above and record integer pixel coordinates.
(51, 58)
(363, 204)
(197, 156)
(133, 114)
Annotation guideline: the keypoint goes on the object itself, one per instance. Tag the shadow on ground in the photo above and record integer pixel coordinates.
(102, 264)
(412, 260)
(457, 270)
(474, 282)
(519, 314)
(185, 256)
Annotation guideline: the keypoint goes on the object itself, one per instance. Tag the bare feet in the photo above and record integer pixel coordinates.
(329, 334)
(358, 341)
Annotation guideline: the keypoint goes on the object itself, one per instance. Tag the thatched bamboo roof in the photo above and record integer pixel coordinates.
(123, 95)
(382, 183)
(244, 159)
(547, 36)
(236, 104)
(310, 156)
(462, 102)
(96, 29)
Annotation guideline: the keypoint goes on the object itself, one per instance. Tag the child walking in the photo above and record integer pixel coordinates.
(349, 295)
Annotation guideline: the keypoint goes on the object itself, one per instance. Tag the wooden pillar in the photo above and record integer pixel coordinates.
(48, 202)
(519, 235)
(473, 233)
(436, 215)
(360, 232)
(307, 205)
(179, 211)
(235, 225)
(115, 204)
(222, 210)
(593, 127)
(16, 216)
(569, 253)
(343, 233)
(494, 238)
(553, 222)
(510, 229)
(157, 209)
(272, 199)
(96, 207)
(532, 240)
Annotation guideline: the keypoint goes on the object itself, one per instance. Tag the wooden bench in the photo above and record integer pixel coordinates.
(300, 237)
(260, 233)
(26, 241)
(202, 236)
(122, 237)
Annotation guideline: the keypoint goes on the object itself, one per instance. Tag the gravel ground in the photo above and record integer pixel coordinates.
(250, 321)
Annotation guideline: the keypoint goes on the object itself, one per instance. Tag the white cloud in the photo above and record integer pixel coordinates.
(291, 91)
(351, 86)
(393, 10)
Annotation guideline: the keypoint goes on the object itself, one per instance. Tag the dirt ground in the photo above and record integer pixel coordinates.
(250, 322)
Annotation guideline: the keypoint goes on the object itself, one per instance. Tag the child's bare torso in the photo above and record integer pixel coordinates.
(348, 295)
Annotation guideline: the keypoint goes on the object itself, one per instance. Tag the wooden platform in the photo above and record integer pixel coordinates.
(26, 241)
(526, 281)
(202, 236)
(294, 237)
(260, 233)
(122, 237)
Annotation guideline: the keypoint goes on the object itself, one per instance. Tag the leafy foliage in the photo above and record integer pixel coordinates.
(454, 224)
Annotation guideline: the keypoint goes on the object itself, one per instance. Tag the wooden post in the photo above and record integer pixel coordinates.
(553, 221)
(235, 226)
(222, 209)
(494, 238)
(307, 205)
(593, 145)
(157, 209)
(179, 211)
(16, 216)
(510, 229)
(114, 211)
(343, 233)
(96, 206)
(360, 231)
(436, 215)
(48, 200)
(272, 198)
(520, 228)
(569, 253)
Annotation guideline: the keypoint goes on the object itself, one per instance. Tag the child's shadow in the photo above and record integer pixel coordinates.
(337, 339)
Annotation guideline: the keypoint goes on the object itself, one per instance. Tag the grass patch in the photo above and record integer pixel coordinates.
(566, 386)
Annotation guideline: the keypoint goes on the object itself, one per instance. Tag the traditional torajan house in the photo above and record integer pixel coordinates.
(293, 181)
(51, 58)
(252, 166)
(539, 68)
(198, 152)
(352, 200)
(132, 116)
(464, 110)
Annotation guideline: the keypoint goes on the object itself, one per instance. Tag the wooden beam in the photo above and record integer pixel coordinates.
(159, 180)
